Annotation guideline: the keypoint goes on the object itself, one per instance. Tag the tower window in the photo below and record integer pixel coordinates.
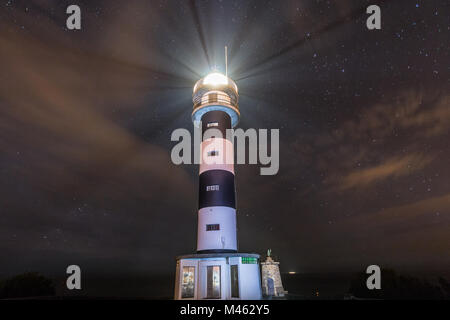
(212, 227)
(212, 188)
(212, 124)
(213, 153)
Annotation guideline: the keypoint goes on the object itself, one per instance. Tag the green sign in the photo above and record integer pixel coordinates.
(249, 260)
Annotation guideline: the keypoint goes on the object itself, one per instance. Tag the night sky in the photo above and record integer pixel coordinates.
(86, 118)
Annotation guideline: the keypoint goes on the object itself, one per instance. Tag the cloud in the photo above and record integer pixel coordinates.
(77, 179)
(394, 167)
(416, 234)
(427, 114)
(384, 141)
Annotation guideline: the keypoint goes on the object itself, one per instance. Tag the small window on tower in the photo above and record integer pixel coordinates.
(212, 227)
(213, 153)
(212, 124)
(212, 188)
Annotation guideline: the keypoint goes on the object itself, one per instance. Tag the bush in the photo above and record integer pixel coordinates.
(24, 285)
(396, 287)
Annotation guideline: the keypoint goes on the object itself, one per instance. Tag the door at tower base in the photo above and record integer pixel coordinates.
(225, 276)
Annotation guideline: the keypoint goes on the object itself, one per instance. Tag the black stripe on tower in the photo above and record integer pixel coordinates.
(217, 251)
(216, 119)
(216, 188)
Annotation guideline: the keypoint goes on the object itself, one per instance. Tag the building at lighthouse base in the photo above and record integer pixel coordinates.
(221, 276)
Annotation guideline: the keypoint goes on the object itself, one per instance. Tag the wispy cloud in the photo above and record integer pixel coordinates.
(385, 141)
(394, 167)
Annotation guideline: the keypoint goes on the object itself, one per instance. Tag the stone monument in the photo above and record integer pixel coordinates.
(271, 278)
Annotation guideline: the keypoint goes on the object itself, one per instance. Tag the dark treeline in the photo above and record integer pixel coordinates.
(397, 287)
(26, 285)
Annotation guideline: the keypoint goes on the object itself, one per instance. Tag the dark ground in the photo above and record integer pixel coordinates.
(299, 286)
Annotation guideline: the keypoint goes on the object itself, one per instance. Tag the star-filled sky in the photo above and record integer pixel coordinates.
(86, 118)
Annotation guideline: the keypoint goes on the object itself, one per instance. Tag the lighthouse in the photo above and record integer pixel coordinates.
(217, 270)
(215, 101)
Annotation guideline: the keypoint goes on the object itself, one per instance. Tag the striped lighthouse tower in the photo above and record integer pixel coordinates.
(215, 100)
(217, 270)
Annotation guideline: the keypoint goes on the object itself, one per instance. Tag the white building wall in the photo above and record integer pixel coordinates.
(249, 277)
(250, 282)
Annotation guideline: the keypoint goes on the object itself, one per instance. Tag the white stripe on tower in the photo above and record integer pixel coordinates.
(217, 154)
